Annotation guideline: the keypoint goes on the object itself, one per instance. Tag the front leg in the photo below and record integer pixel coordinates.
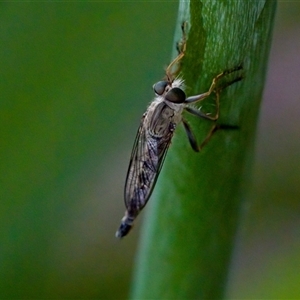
(213, 85)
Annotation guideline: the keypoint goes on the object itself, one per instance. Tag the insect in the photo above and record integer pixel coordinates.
(155, 132)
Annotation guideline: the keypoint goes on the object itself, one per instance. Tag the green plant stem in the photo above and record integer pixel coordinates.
(189, 232)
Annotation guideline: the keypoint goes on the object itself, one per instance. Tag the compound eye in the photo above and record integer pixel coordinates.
(159, 87)
(176, 95)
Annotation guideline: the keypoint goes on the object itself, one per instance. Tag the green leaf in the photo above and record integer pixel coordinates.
(188, 237)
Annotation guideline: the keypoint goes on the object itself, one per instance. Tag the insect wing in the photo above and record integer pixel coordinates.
(147, 158)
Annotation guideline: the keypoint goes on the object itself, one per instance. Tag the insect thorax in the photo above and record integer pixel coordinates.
(161, 119)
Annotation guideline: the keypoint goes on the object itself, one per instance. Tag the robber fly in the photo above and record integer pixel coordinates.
(155, 133)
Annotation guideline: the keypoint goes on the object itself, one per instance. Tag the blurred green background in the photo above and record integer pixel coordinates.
(75, 80)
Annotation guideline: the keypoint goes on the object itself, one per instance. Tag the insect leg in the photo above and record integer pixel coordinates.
(229, 83)
(213, 85)
(203, 115)
(190, 135)
(198, 113)
(176, 60)
(181, 46)
(208, 137)
(213, 129)
(192, 138)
